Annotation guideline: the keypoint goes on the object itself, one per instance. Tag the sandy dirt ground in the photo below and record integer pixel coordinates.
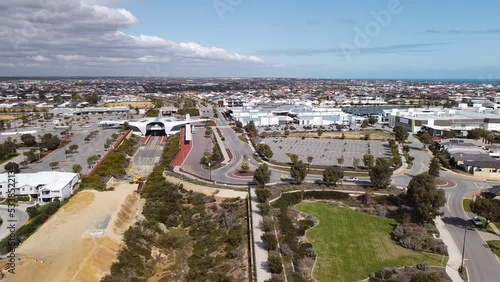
(222, 193)
(7, 117)
(80, 242)
(140, 105)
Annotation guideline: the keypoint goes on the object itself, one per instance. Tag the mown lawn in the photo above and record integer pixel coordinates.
(351, 245)
(466, 203)
(495, 247)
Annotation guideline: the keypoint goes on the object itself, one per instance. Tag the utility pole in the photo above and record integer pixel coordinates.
(463, 251)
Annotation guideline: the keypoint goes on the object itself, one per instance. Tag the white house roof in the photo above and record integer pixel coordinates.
(52, 180)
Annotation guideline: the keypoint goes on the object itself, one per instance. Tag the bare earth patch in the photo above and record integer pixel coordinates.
(7, 117)
(80, 242)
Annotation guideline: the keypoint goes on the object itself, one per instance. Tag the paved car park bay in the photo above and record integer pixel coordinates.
(326, 151)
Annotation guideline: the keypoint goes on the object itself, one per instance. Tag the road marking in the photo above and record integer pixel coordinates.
(447, 201)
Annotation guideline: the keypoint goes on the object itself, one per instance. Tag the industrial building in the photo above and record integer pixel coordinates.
(43, 186)
(437, 120)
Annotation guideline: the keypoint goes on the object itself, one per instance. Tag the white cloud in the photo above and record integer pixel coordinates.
(40, 58)
(88, 31)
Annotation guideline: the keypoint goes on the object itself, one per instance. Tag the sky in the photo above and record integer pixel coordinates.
(358, 39)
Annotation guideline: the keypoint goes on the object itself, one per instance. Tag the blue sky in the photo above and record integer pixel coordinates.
(321, 39)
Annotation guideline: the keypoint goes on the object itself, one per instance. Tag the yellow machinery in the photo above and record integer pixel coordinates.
(136, 179)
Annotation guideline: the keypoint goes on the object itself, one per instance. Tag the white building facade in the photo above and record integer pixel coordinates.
(43, 186)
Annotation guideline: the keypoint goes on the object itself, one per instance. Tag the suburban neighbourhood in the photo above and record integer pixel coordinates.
(293, 180)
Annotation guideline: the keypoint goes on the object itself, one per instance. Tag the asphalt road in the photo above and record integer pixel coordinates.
(481, 263)
(21, 218)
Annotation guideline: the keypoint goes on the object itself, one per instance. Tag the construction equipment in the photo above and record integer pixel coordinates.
(136, 179)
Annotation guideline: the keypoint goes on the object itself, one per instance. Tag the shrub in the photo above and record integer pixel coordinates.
(275, 265)
(270, 240)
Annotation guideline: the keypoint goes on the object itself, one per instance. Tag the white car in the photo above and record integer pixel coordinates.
(351, 179)
(476, 221)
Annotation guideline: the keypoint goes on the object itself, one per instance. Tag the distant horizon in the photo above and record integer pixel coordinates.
(485, 81)
(363, 39)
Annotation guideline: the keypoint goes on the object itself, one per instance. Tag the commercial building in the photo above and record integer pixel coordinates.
(437, 120)
(43, 186)
(281, 114)
(159, 125)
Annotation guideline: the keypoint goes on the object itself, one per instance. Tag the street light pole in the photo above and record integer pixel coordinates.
(463, 251)
(210, 169)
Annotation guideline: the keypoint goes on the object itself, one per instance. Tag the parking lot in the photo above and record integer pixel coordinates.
(81, 126)
(326, 151)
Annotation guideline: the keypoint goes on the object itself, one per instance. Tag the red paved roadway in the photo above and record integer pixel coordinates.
(183, 152)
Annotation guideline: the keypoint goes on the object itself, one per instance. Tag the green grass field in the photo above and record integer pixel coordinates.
(495, 247)
(466, 204)
(351, 245)
(243, 138)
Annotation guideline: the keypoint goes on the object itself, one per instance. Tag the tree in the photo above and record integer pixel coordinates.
(12, 167)
(368, 160)
(372, 120)
(270, 241)
(448, 134)
(434, 167)
(251, 129)
(365, 124)
(265, 151)
(54, 165)
(476, 133)
(397, 160)
(355, 162)
(77, 168)
(309, 162)
(262, 175)
(425, 138)
(275, 264)
(340, 160)
(92, 99)
(332, 174)
(400, 133)
(73, 147)
(424, 198)
(31, 156)
(287, 132)
(381, 173)
(319, 132)
(50, 142)
(338, 127)
(244, 166)
(487, 208)
(293, 158)
(238, 124)
(262, 194)
(298, 171)
(28, 140)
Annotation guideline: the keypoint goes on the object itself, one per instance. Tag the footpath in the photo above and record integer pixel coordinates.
(455, 257)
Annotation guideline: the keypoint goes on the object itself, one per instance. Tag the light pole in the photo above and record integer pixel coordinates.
(210, 169)
(463, 251)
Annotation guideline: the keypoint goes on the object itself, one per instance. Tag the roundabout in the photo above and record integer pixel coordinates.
(444, 183)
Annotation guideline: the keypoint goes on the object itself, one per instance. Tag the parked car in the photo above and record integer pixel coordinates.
(351, 179)
(476, 221)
